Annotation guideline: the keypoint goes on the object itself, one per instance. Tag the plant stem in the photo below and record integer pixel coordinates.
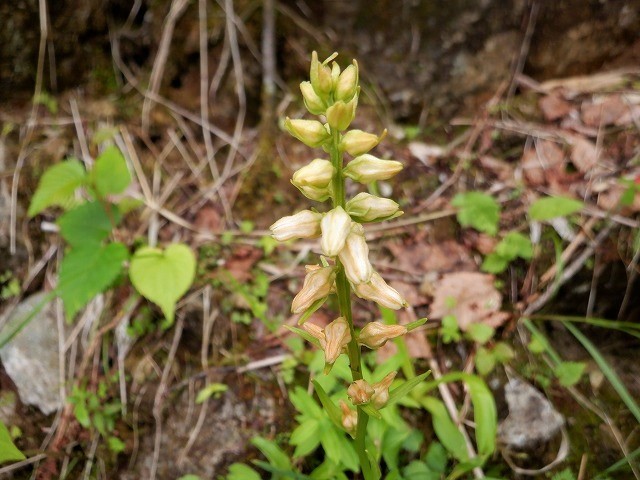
(343, 290)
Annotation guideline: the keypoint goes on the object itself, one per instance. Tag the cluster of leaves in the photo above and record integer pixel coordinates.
(94, 262)
(96, 410)
(391, 440)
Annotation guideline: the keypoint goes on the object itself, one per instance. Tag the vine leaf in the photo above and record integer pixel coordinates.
(57, 186)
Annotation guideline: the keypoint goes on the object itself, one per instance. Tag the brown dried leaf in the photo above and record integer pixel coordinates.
(500, 168)
(553, 107)
(584, 154)
(208, 220)
(421, 257)
(242, 261)
(471, 297)
(604, 111)
(542, 162)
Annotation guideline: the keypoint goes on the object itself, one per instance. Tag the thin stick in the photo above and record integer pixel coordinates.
(157, 72)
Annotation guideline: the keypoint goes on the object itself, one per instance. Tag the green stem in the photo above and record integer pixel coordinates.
(343, 290)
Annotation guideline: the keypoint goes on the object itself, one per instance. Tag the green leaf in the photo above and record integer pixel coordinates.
(273, 452)
(449, 329)
(239, 471)
(88, 224)
(115, 444)
(445, 429)
(477, 210)
(494, 263)
(569, 373)
(536, 345)
(480, 332)
(503, 352)
(416, 324)
(57, 186)
(305, 404)
(110, 174)
(334, 412)
(305, 437)
(8, 451)
(304, 334)
(436, 458)
(82, 414)
(213, 389)
(88, 271)
(515, 245)
(485, 361)
(552, 207)
(399, 392)
(163, 276)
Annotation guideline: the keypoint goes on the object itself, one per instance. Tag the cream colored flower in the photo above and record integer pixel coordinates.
(337, 336)
(357, 142)
(360, 392)
(349, 418)
(311, 99)
(340, 114)
(354, 256)
(335, 227)
(318, 173)
(375, 334)
(378, 291)
(380, 396)
(304, 224)
(317, 285)
(310, 132)
(320, 76)
(367, 168)
(365, 207)
(347, 84)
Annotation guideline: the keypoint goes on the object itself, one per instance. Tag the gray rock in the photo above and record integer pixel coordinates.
(31, 357)
(532, 420)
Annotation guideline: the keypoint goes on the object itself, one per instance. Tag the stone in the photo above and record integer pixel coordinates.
(532, 419)
(31, 357)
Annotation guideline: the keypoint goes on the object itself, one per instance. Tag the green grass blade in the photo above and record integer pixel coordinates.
(607, 371)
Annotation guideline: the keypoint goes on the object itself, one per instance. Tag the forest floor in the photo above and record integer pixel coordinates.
(522, 217)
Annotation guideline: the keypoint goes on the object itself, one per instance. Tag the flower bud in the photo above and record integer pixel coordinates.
(347, 84)
(365, 207)
(310, 132)
(357, 142)
(375, 334)
(354, 256)
(335, 74)
(349, 418)
(360, 392)
(320, 76)
(316, 174)
(378, 291)
(304, 224)
(380, 396)
(312, 101)
(315, 193)
(340, 114)
(317, 285)
(367, 168)
(335, 227)
(337, 336)
(316, 332)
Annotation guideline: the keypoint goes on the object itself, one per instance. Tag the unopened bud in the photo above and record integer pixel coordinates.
(317, 285)
(360, 392)
(380, 396)
(340, 114)
(378, 291)
(367, 168)
(347, 84)
(304, 224)
(349, 418)
(365, 207)
(335, 74)
(337, 336)
(357, 142)
(354, 256)
(312, 101)
(318, 173)
(375, 334)
(315, 193)
(335, 227)
(316, 332)
(320, 76)
(310, 132)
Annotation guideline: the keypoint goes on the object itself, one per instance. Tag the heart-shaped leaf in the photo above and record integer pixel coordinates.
(110, 173)
(57, 186)
(163, 276)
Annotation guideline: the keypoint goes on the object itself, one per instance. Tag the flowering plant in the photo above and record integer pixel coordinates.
(332, 94)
